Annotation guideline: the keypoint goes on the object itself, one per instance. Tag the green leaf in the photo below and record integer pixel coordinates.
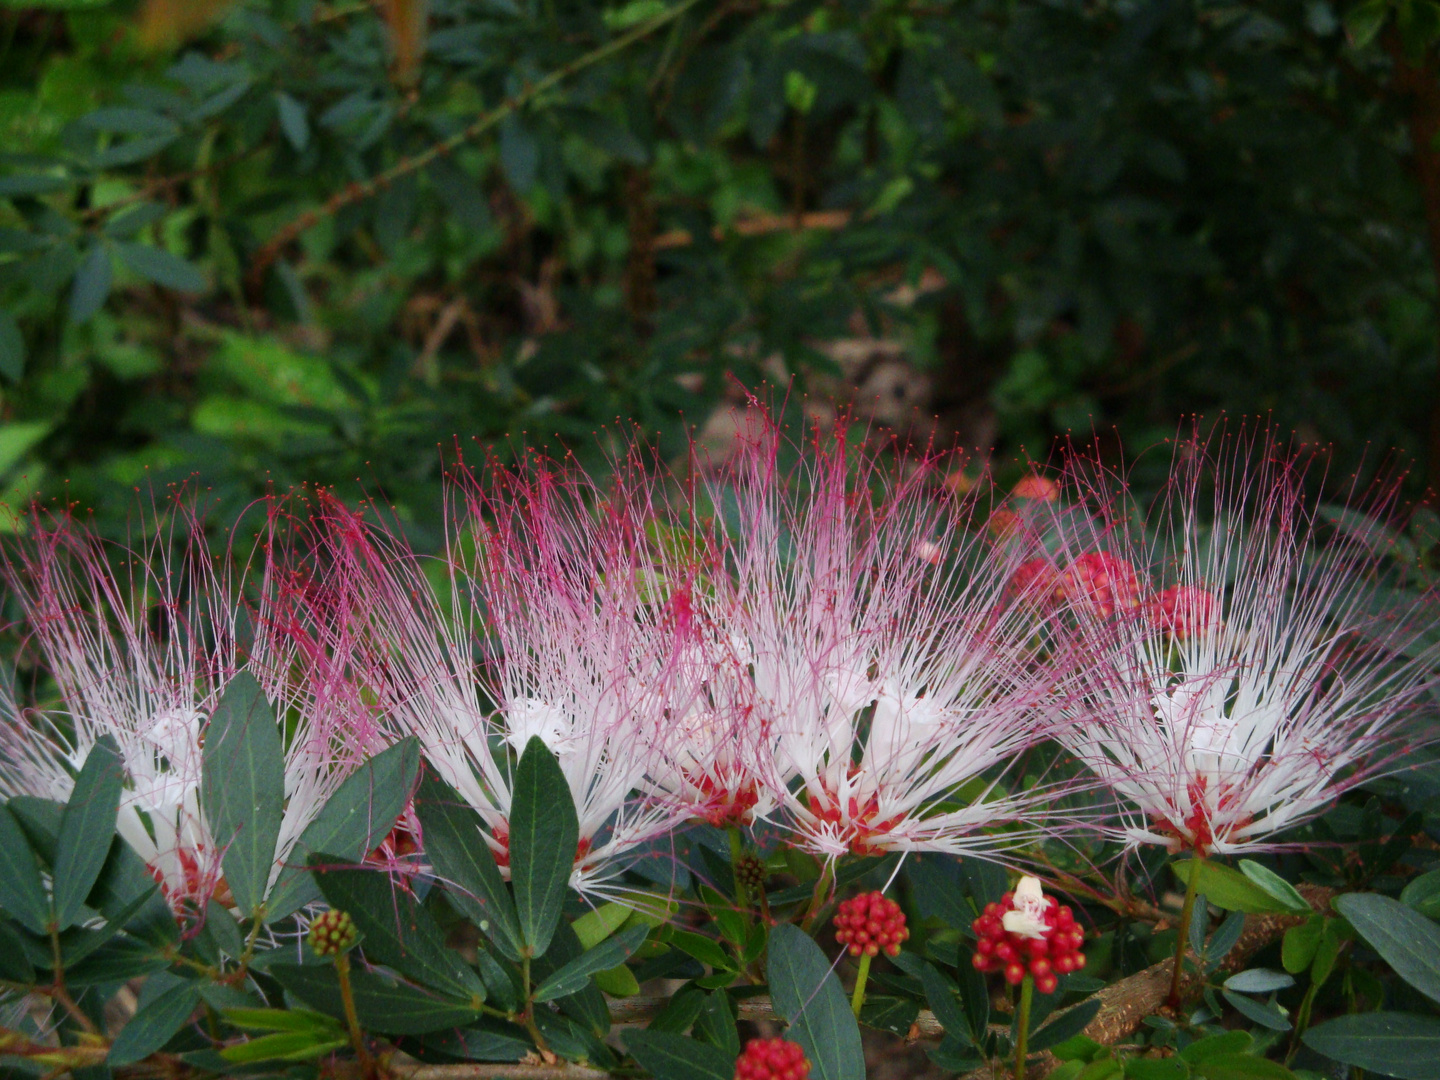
(463, 861)
(1389, 1043)
(1069, 1023)
(396, 930)
(22, 895)
(1240, 1067)
(575, 975)
(242, 787)
(716, 1023)
(293, 121)
(1423, 894)
(1297, 948)
(91, 286)
(596, 925)
(706, 950)
(285, 1046)
(807, 994)
(154, 1024)
(667, 1056)
(1224, 1044)
(158, 265)
(15, 966)
(351, 824)
(1405, 939)
(12, 348)
(1138, 1068)
(1230, 889)
(519, 154)
(383, 1004)
(281, 1020)
(1276, 887)
(892, 1014)
(544, 834)
(941, 996)
(1258, 981)
(87, 829)
(1265, 1013)
(618, 982)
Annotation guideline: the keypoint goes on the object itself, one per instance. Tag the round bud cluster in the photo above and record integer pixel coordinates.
(869, 924)
(750, 873)
(1185, 610)
(332, 933)
(772, 1059)
(1049, 946)
(1101, 582)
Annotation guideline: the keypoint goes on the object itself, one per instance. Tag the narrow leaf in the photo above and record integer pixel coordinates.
(576, 974)
(463, 862)
(1405, 939)
(242, 787)
(396, 930)
(808, 995)
(383, 1004)
(1280, 889)
(22, 895)
(87, 829)
(91, 286)
(1231, 890)
(158, 265)
(667, 1056)
(1389, 1043)
(154, 1024)
(351, 824)
(544, 833)
(12, 348)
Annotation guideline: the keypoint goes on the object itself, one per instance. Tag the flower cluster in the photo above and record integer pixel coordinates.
(871, 924)
(862, 657)
(1027, 932)
(772, 1059)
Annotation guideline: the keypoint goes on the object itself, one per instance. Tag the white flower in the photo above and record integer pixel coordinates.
(1027, 918)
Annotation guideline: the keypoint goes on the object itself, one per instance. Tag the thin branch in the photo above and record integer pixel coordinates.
(364, 189)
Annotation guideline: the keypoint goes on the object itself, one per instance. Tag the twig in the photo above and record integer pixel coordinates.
(496, 1071)
(364, 189)
(761, 225)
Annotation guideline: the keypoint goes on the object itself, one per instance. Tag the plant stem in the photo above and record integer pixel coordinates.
(820, 897)
(857, 999)
(1022, 1024)
(352, 1021)
(1186, 913)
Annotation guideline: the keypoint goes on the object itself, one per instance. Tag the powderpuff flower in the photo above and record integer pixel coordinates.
(884, 682)
(1259, 686)
(555, 628)
(142, 645)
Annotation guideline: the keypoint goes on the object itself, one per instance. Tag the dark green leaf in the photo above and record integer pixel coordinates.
(1276, 886)
(1264, 1013)
(943, 998)
(15, 966)
(126, 121)
(1405, 939)
(892, 1014)
(91, 286)
(576, 974)
(154, 1024)
(262, 1019)
(12, 348)
(519, 154)
(87, 829)
(1423, 894)
(293, 121)
(242, 787)
(807, 994)
(1224, 1044)
(1258, 981)
(667, 1056)
(383, 1004)
(22, 895)
(1389, 1043)
(463, 861)
(1138, 1068)
(544, 835)
(1240, 1067)
(1069, 1023)
(716, 1023)
(33, 184)
(351, 824)
(396, 931)
(158, 265)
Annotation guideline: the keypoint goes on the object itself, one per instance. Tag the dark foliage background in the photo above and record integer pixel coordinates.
(993, 221)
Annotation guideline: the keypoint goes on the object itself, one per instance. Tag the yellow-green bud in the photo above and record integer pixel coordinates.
(332, 933)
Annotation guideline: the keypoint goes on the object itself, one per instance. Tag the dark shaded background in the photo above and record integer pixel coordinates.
(269, 242)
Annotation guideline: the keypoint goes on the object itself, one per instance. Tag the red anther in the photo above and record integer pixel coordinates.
(1102, 582)
(772, 1059)
(871, 924)
(1184, 610)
